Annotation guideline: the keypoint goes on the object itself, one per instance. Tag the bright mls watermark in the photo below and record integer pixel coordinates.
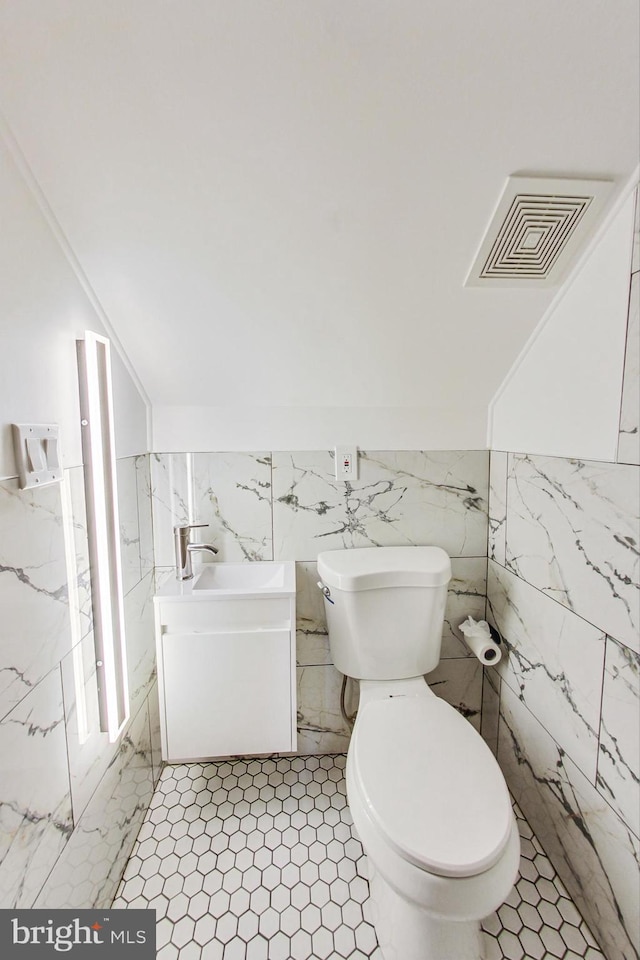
(80, 934)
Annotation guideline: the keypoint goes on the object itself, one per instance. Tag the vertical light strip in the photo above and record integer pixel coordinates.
(96, 404)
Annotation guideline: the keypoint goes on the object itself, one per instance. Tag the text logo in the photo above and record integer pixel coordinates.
(122, 934)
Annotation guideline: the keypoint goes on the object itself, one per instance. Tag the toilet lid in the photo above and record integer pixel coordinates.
(431, 785)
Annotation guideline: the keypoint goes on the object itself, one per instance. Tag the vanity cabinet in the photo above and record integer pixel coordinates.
(226, 672)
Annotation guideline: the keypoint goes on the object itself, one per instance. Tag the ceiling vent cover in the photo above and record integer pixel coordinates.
(538, 229)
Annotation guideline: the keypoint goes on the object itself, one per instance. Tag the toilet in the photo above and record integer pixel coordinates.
(427, 797)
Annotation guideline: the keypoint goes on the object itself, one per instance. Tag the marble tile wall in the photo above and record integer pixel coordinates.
(288, 506)
(565, 600)
(562, 708)
(71, 803)
(566, 603)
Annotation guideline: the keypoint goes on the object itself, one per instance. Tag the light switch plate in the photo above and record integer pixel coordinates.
(37, 453)
(346, 463)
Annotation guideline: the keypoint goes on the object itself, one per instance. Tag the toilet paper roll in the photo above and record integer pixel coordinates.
(477, 637)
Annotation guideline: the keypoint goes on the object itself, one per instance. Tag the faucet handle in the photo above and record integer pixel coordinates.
(184, 548)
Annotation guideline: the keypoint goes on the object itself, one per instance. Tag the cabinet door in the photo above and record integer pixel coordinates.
(227, 693)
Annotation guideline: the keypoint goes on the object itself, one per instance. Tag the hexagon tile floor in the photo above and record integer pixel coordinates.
(258, 860)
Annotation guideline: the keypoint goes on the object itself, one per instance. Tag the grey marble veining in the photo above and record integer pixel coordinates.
(78, 563)
(89, 751)
(619, 749)
(629, 436)
(407, 497)
(573, 532)
(136, 527)
(466, 596)
(56, 763)
(163, 575)
(553, 662)
(490, 719)
(595, 854)
(89, 870)
(140, 637)
(145, 518)
(129, 523)
(458, 679)
(312, 640)
(497, 505)
(170, 501)
(399, 498)
(35, 805)
(459, 683)
(321, 728)
(231, 492)
(34, 596)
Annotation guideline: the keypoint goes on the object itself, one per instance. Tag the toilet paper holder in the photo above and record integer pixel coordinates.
(483, 640)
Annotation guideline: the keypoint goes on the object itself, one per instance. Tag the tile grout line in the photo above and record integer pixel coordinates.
(258, 860)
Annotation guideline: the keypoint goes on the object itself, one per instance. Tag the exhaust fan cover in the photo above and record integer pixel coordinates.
(537, 230)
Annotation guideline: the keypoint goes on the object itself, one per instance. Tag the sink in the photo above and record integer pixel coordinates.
(253, 578)
(244, 577)
(226, 655)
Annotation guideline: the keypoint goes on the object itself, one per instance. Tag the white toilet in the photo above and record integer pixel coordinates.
(426, 794)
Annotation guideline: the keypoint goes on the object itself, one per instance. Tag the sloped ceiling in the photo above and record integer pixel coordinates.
(277, 201)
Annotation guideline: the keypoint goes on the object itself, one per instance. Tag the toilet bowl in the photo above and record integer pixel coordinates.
(441, 838)
(427, 797)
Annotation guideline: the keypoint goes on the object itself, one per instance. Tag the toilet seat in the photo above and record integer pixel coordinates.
(431, 786)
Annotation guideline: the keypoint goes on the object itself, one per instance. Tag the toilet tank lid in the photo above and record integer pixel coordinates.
(369, 568)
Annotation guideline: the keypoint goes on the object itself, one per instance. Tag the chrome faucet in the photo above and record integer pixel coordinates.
(184, 549)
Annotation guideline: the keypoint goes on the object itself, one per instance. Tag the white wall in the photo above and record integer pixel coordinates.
(562, 589)
(277, 203)
(200, 429)
(84, 807)
(44, 308)
(562, 396)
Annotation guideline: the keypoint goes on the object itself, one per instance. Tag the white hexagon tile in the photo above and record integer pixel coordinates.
(258, 860)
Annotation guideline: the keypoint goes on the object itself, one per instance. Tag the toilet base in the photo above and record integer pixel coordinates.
(407, 932)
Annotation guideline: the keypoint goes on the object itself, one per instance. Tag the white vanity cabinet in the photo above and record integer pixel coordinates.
(226, 666)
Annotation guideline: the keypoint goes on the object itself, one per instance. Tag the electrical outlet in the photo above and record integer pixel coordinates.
(346, 463)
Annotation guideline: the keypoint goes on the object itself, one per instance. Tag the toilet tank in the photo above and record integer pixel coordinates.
(385, 609)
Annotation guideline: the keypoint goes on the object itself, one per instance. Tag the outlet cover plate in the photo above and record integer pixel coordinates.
(37, 453)
(346, 463)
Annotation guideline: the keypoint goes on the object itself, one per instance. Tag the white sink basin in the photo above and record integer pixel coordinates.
(245, 577)
(255, 578)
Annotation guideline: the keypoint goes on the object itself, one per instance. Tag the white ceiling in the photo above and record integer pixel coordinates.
(277, 201)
